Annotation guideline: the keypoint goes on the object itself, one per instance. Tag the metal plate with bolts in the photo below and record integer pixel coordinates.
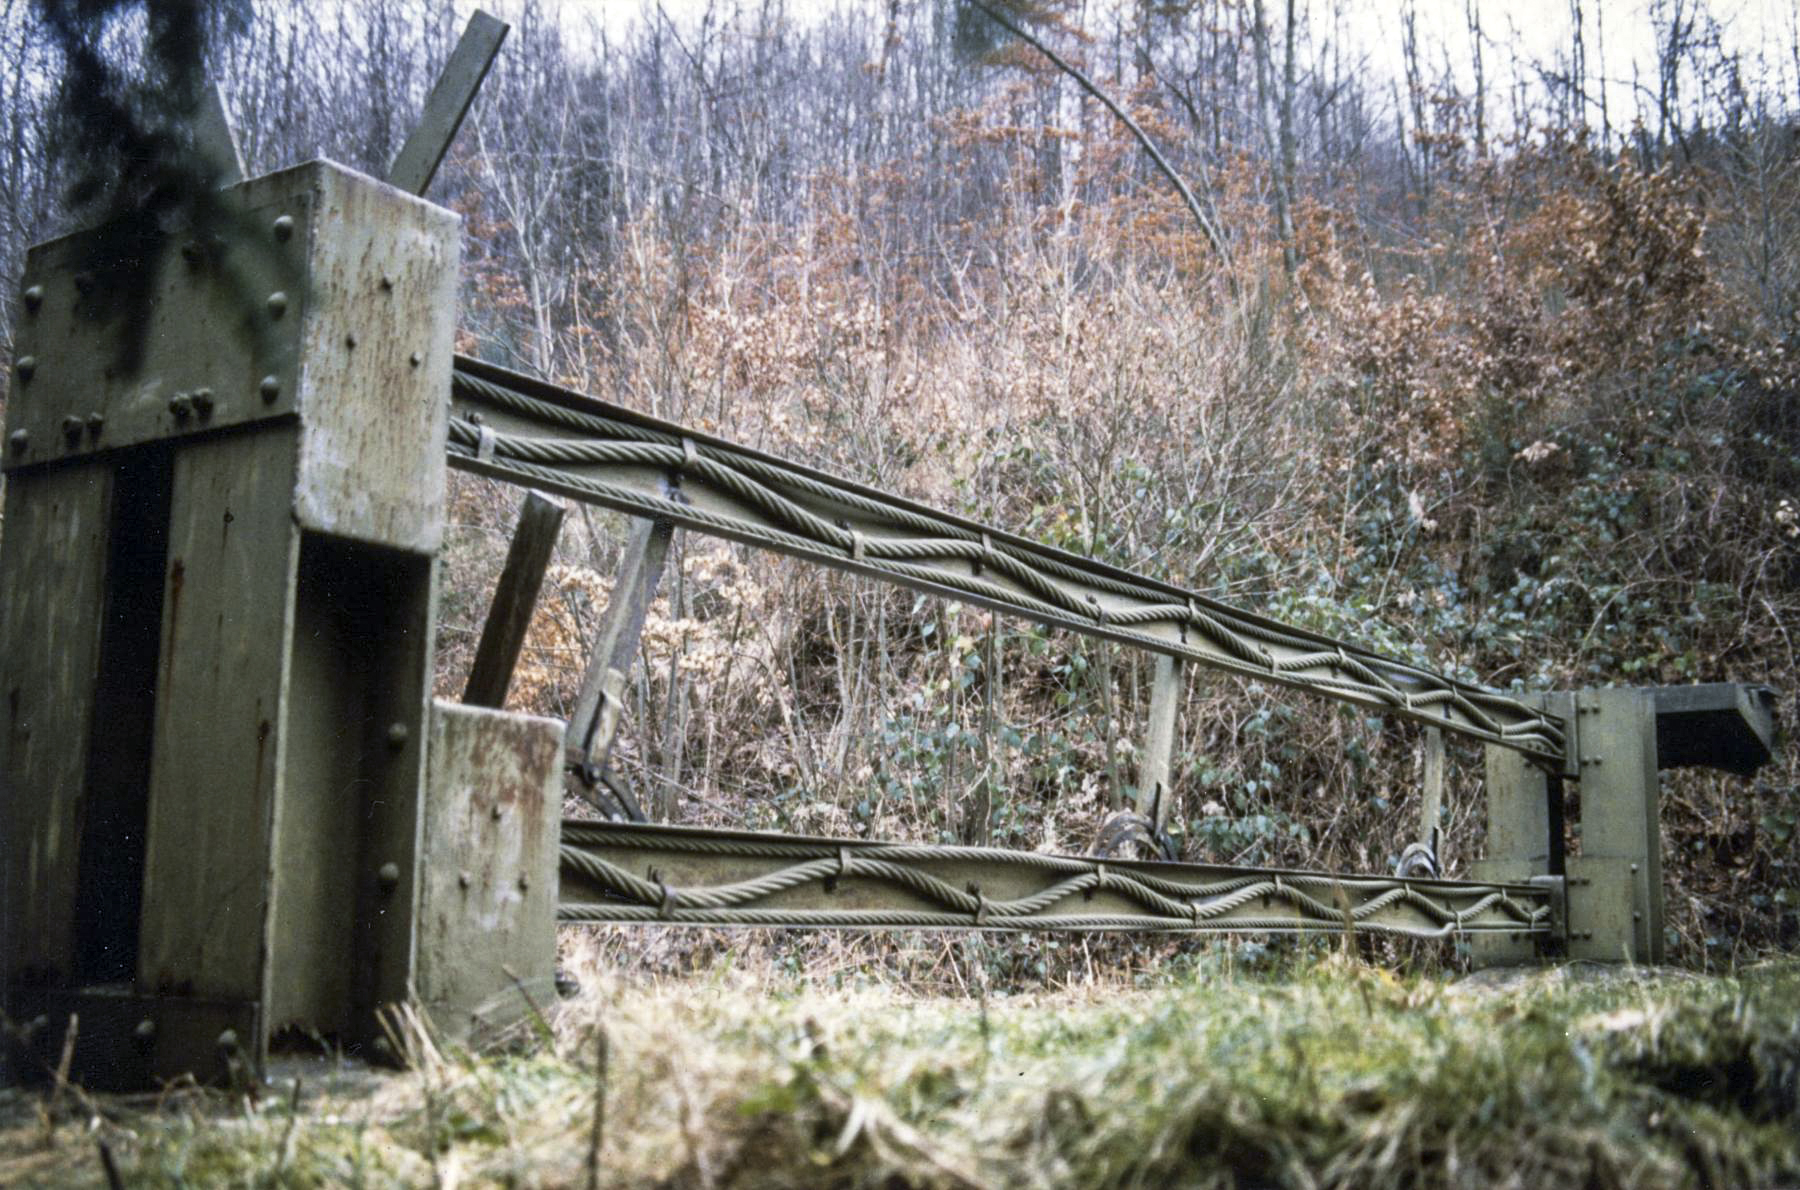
(213, 343)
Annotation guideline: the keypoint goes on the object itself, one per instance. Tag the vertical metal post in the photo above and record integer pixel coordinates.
(1615, 883)
(1156, 764)
(1431, 805)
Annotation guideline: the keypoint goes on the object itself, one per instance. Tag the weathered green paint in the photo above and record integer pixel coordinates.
(1621, 830)
(218, 732)
(52, 578)
(209, 328)
(488, 867)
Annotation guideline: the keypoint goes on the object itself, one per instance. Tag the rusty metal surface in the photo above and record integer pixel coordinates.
(376, 351)
(227, 621)
(488, 864)
(52, 575)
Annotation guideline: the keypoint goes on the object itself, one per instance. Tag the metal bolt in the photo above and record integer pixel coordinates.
(387, 282)
(27, 366)
(278, 303)
(20, 441)
(416, 359)
(95, 423)
(72, 429)
(270, 388)
(181, 405)
(524, 882)
(284, 228)
(350, 339)
(203, 401)
(1636, 916)
(389, 876)
(228, 1040)
(397, 733)
(145, 1032)
(34, 297)
(464, 880)
(495, 813)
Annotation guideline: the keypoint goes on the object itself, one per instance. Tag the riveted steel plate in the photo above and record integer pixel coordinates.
(209, 340)
(488, 865)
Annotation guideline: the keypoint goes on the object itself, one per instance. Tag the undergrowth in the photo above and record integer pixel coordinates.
(1321, 1071)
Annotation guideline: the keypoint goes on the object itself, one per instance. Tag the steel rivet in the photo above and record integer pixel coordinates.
(203, 401)
(72, 429)
(34, 297)
(416, 359)
(387, 281)
(463, 880)
(145, 1031)
(284, 228)
(228, 1040)
(181, 405)
(271, 388)
(350, 339)
(1634, 867)
(396, 735)
(278, 303)
(95, 423)
(27, 366)
(1636, 916)
(389, 875)
(19, 441)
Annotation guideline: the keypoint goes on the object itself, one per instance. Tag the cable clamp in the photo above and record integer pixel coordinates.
(981, 908)
(484, 444)
(858, 544)
(987, 554)
(843, 862)
(690, 455)
(665, 908)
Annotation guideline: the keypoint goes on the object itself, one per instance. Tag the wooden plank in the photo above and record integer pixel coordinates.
(52, 577)
(596, 717)
(1620, 819)
(419, 158)
(228, 611)
(515, 599)
(1155, 782)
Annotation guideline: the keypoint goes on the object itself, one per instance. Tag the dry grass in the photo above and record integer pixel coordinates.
(1327, 1072)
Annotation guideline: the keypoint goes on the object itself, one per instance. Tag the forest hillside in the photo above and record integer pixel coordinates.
(1482, 354)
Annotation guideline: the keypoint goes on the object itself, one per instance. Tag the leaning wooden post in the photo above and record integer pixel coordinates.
(595, 721)
(515, 599)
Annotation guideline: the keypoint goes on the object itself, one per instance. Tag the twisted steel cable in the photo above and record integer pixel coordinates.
(774, 496)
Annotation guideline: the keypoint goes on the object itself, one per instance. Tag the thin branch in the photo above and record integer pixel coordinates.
(1207, 228)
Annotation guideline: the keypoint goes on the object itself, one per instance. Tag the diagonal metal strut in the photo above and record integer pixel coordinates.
(529, 432)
